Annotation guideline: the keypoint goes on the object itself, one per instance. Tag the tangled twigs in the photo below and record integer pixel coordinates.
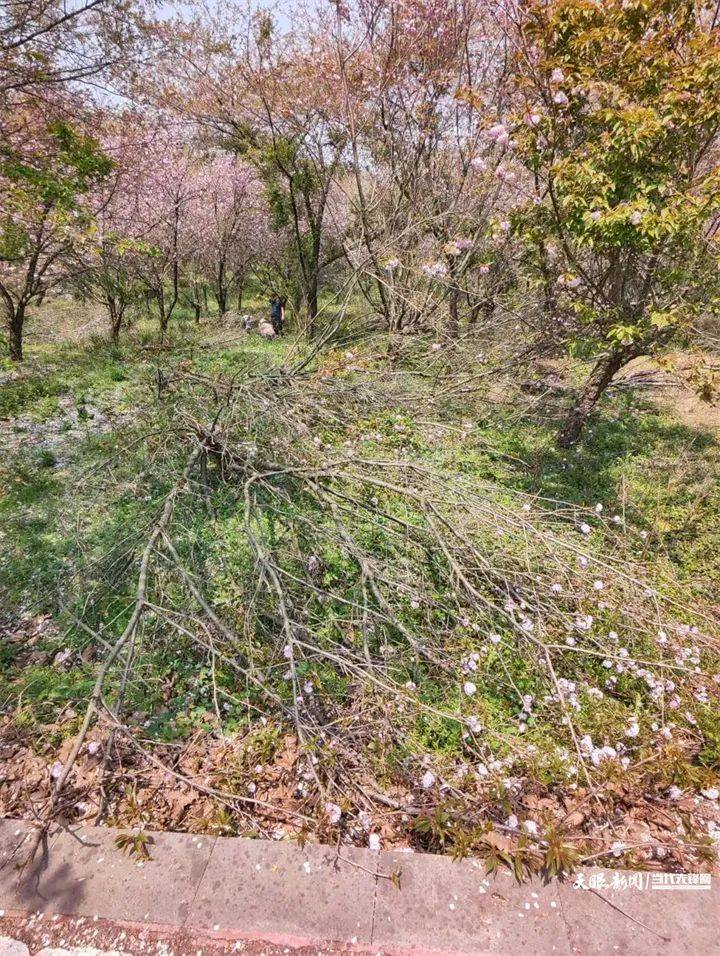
(269, 572)
(127, 636)
(231, 800)
(358, 620)
(196, 593)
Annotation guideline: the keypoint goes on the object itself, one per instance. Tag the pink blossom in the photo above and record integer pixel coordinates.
(334, 812)
(498, 134)
(435, 270)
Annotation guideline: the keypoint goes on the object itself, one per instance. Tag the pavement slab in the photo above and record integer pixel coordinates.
(454, 907)
(283, 892)
(15, 842)
(231, 895)
(628, 914)
(85, 873)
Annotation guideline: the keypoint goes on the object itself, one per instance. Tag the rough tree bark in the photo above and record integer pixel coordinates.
(221, 291)
(221, 299)
(602, 374)
(162, 313)
(116, 317)
(16, 320)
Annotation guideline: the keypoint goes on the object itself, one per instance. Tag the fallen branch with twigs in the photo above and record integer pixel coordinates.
(425, 655)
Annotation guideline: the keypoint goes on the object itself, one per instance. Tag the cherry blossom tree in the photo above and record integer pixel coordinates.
(117, 243)
(168, 191)
(274, 101)
(55, 55)
(229, 218)
(47, 170)
(425, 186)
(46, 45)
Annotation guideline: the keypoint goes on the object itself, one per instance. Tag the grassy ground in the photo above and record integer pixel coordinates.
(448, 494)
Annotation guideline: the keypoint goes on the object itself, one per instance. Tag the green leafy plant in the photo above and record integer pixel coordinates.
(135, 845)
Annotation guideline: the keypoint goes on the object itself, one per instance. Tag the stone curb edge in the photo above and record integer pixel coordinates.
(237, 888)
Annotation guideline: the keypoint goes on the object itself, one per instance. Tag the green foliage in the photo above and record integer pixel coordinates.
(135, 845)
(624, 101)
(47, 690)
(66, 166)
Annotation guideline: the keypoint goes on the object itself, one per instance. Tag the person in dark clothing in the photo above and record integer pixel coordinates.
(277, 313)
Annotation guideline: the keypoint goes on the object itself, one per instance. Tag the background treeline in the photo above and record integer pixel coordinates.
(439, 162)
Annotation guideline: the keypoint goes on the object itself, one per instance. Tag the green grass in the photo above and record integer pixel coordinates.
(618, 465)
(70, 371)
(637, 461)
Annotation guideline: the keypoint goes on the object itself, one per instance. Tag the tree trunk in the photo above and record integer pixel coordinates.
(221, 290)
(312, 306)
(15, 330)
(115, 318)
(162, 313)
(549, 301)
(598, 380)
(196, 306)
(239, 297)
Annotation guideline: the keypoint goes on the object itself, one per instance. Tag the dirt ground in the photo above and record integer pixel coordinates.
(676, 386)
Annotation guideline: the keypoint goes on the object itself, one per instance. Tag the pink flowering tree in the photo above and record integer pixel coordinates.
(424, 159)
(54, 56)
(168, 192)
(48, 169)
(273, 99)
(116, 247)
(229, 219)
(47, 45)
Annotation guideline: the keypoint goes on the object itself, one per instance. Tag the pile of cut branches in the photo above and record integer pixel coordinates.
(387, 650)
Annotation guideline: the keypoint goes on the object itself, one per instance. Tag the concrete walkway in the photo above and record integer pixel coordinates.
(224, 895)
